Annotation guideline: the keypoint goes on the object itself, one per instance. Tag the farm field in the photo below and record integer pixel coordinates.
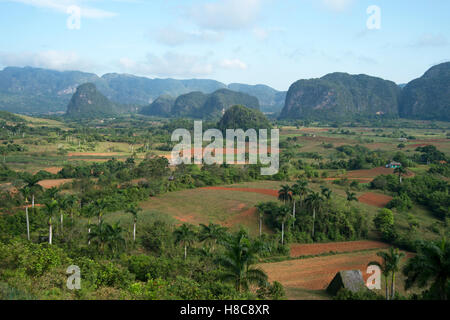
(304, 269)
(307, 279)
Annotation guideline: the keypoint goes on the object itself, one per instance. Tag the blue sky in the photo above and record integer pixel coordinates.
(274, 42)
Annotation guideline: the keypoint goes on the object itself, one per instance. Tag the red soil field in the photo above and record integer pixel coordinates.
(269, 192)
(317, 273)
(53, 170)
(375, 199)
(298, 250)
(242, 218)
(371, 173)
(47, 184)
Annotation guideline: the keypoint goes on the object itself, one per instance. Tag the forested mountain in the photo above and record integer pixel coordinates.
(161, 107)
(88, 102)
(35, 90)
(199, 105)
(270, 99)
(32, 90)
(428, 98)
(240, 117)
(340, 96)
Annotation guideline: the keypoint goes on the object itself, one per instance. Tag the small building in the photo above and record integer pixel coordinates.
(351, 280)
(394, 165)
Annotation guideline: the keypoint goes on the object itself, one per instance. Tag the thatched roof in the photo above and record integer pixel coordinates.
(350, 279)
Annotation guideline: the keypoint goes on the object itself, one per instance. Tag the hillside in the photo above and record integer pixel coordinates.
(88, 102)
(270, 99)
(340, 96)
(199, 105)
(35, 90)
(161, 107)
(428, 97)
(240, 117)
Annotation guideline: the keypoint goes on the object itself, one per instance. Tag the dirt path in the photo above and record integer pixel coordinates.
(298, 250)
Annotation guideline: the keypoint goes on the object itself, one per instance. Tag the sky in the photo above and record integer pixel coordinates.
(272, 42)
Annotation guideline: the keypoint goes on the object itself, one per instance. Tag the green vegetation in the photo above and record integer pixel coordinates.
(199, 105)
(340, 96)
(105, 199)
(87, 102)
(428, 97)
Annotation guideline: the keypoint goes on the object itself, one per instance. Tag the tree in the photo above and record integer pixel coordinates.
(26, 192)
(104, 234)
(284, 194)
(100, 206)
(212, 233)
(298, 192)
(395, 257)
(430, 265)
(241, 254)
(185, 236)
(51, 208)
(261, 217)
(282, 217)
(384, 267)
(400, 171)
(384, 222)
(314, 201)
(32, 182)
(326, 192)
(134, 210)
(351, 196)
(4, 152)
(389, 266)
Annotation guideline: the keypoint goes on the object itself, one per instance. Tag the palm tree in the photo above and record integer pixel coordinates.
(301, 188)
(395, 258)
(104, 234)
(100, 206)
(212, 233)
(185, 236)
(389, 266)
(261, 217)
(314, 201)
(134, 210)
(26, 192)
(51, 208)
(384, 267)
(351, 196)
(71, 202)
(284, 194)
(401, 171)
(32, 182)
(239, 259)
(296, 195)
(282, 217)
(326, 192)
(431, 264)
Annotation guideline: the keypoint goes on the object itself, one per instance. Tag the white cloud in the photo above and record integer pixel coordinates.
(51, 59)
(173, 37)
(170, 64)
(225, 14)
(173, 64)
(62, 6)
(337, 5)
(233, 64)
